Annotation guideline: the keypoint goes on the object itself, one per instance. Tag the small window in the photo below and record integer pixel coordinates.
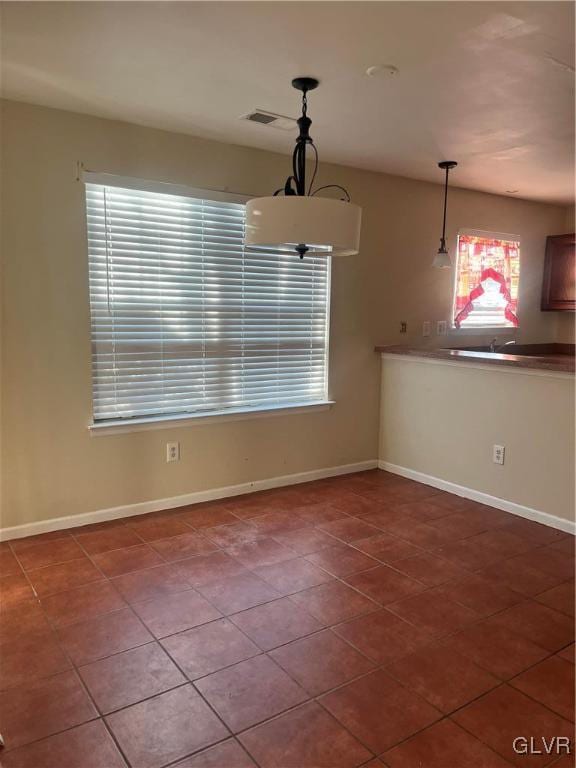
(487, 278)
(186, 320)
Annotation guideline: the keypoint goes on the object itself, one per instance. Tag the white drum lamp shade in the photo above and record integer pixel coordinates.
(324, 225)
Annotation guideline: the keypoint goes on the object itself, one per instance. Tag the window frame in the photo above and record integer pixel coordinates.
(186, 419)
(484, 329)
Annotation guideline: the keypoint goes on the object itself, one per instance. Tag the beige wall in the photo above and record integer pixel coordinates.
(442, 419)
(52, 466)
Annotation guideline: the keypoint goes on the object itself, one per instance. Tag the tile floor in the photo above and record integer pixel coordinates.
(365, 620)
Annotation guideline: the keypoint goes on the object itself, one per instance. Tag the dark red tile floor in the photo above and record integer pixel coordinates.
(365, 620)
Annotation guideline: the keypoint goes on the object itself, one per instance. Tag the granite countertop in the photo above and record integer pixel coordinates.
(557, 363)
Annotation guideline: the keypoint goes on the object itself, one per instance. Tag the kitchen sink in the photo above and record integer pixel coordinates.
(525, 350)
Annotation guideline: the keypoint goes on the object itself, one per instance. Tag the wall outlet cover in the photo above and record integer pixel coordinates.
(172, 452)
(498, 454)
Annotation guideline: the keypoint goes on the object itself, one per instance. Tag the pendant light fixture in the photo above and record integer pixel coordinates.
(294, 219)
(442, 258)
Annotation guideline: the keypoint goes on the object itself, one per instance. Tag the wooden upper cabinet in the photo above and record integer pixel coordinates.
(558, 285)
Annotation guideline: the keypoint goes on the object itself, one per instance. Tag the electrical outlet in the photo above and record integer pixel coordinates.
(172, 452)
(426, 328)
(498, 452)
(403, 326)
(441, 327)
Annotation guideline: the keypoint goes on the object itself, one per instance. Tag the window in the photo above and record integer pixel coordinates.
(185, 320)
(487, 276)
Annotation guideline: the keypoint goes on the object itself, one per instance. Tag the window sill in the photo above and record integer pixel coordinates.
(119, 426)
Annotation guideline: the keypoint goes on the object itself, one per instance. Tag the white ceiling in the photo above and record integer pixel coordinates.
(489, 84)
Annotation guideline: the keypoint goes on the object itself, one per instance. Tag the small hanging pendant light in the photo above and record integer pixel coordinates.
(294, 219)
(442, 258)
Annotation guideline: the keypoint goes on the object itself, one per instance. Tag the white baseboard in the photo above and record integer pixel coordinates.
(196, 497)
(568, 526)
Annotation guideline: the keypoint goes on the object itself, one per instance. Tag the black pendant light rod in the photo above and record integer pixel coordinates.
(303, 84)
(446, 165)
(296, 183)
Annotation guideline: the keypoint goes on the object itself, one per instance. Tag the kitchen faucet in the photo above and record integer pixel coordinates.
(494, 347)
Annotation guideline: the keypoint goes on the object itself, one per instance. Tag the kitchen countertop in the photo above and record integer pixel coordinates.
(557, 363)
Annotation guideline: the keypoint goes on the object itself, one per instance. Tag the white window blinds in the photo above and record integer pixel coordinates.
(186, 320)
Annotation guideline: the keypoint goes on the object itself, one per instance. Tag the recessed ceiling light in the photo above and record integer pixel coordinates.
(512, 191)
(380, 70)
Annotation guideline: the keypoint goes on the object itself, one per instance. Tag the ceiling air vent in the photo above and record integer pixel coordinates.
(262, 117)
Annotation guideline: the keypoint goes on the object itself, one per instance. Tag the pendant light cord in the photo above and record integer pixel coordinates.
(445, 206)
(445, 165)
